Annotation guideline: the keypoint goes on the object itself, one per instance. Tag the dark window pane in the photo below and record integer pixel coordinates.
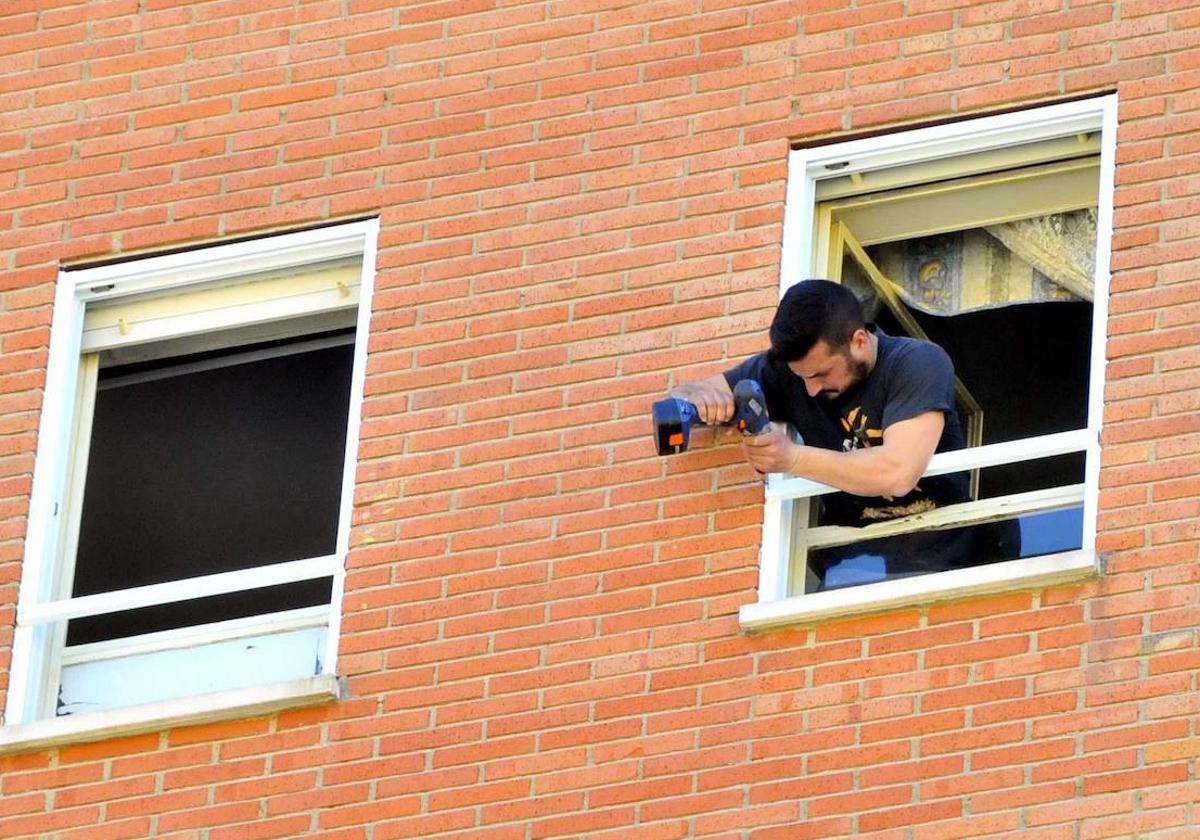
(1027, 365)
(288, 596)
(197, 471)
(1039, 474)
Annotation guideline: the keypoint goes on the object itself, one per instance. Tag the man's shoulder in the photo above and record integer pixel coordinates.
(903, 342)
(760, 367)
(762, 363)
(905, 350)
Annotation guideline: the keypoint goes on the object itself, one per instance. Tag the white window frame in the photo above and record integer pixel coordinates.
(786, 494)
(37, 609)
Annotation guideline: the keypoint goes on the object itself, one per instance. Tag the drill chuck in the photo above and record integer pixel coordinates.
(750, 408)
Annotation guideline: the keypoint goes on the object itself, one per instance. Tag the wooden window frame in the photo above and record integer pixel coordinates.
(807, 252)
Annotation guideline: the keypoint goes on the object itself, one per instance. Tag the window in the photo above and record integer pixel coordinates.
(193, 481)
(989, 237)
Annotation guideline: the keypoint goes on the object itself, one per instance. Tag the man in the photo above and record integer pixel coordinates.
(872, 409)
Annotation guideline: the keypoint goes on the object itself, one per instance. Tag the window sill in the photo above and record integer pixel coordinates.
(907, 592)
(168, 714)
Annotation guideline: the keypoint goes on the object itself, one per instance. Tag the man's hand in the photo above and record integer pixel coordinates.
(772, 451)
(712, 397)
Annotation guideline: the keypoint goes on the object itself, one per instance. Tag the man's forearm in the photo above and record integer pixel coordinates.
(892, 469)
(863, 472)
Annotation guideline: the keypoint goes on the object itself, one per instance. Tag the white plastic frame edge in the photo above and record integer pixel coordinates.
(921, 590)
(169, 714)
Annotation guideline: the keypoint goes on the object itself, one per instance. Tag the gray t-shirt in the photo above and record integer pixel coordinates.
(910, 377)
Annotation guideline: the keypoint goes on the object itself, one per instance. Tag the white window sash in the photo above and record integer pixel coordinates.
(200, 634)
(169, 714)
(976, 457)
(955, 139)
(907, 592)
(185, 589)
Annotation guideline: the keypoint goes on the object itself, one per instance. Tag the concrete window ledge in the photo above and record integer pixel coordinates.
(169, 714)
(1032, 572)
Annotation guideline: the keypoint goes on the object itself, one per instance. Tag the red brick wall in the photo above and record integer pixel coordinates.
(579, 200)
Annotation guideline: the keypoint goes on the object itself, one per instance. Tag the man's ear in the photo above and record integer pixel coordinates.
(860, 339)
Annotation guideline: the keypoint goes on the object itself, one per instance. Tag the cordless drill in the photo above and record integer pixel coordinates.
(674, 418)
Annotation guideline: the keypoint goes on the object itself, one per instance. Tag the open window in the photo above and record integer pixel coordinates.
(194, 476)
(990, 238)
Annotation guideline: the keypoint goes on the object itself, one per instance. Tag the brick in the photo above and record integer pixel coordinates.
(840, 759)
(88, 794)
(1023, 796)
(972, 739)
(589, 821)
(1148, 777)
(56, 821)
(894, 817)
(856, 803)
(21, 780)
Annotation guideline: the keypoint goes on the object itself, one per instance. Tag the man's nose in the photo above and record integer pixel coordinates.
(812, 386)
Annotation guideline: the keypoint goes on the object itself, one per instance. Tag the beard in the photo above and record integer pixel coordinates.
(858, 372)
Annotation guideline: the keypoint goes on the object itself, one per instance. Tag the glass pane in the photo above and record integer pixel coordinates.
(212, 463)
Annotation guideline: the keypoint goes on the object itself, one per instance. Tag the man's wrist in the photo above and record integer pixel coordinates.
(795, 463)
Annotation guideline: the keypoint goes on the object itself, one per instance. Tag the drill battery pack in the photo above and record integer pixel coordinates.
(673, 419)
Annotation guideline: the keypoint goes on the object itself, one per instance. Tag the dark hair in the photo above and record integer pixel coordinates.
(811, 311)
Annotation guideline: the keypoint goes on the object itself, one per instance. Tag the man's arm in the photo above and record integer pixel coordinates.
(712, 397)
(891, 469)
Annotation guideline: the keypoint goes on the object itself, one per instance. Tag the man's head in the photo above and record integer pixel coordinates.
(819, 331)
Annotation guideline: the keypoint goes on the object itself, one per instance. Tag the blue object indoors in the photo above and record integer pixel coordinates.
(861, 568)
(1048, 533)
